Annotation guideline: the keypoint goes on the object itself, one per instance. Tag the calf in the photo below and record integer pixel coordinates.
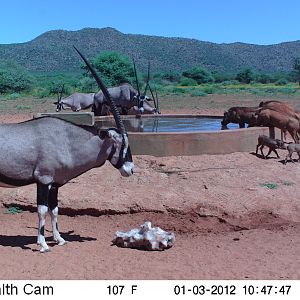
(292, 148)
(273, 144)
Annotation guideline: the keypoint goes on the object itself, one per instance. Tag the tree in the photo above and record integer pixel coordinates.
(114, 68)
(297, 67)
(199, 74)
(14, 77)
(245, 76)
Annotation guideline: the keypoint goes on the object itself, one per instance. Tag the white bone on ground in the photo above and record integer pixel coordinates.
(145, 238)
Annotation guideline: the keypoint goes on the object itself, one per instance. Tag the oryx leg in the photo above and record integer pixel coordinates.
(42, 211)
(53, 209)
(42, 203)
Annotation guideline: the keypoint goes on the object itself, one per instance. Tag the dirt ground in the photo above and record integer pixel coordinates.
(235, 216)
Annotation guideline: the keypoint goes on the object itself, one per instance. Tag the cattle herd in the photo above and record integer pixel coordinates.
(270, 114)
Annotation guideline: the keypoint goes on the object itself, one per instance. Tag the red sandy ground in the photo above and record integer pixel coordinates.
(228, 225)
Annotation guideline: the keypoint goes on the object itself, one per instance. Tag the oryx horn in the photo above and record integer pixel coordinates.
(61, 93)
(106, 94)
(157, 101)
(148, 79)
(136, 78)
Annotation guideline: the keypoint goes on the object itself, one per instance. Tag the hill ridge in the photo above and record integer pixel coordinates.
(52, 51)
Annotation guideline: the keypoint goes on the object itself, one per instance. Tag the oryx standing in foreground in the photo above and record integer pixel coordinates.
(49, 152)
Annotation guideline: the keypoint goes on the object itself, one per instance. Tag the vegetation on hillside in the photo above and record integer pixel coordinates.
(115, 68)
(53, 52)
(14, 77)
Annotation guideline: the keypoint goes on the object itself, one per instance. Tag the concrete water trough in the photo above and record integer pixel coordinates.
(166, 135)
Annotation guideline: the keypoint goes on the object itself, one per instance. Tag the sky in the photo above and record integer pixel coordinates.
(261, 22)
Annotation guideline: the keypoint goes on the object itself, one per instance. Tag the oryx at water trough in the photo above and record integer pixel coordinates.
(126, 98)
(76, 102)
(49, 152)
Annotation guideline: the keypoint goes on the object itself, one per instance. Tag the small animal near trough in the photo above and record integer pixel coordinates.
(157, 140)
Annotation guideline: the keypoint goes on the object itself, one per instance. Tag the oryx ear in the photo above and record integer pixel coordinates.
(55, 102)
(105, 134)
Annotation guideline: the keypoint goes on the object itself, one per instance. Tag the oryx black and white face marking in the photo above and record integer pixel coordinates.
(119, 153)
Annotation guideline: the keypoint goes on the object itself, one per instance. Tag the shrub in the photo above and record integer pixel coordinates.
(113, 67)
(281, 81)
(87, 85)
(209, 90)
(184, 81)
(41, 92)
(13, 96)
(14, 77)
(230, 82)
(245, 76)
(197, 93)
(199, 74)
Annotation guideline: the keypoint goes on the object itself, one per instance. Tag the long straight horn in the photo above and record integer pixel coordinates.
(155, 104)
(61, 93)
(157, 100)
(136, 79)
(106, 94)
(148, 79)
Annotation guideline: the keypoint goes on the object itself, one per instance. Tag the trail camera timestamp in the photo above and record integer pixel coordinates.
(239, 290)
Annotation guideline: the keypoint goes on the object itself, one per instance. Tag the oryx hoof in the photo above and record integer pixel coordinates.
(45, 250)
(60, 241)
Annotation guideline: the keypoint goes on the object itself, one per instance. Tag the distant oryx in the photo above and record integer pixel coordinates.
(49, 152)
(125, 96)
(76, 102)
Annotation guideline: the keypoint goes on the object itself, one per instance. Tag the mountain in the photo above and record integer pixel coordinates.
(53, 52)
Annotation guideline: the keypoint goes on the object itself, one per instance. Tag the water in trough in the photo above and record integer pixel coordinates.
(170, 124)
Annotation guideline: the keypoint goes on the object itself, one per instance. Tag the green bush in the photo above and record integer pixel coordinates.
(286, 90)
(184, 81)
(221, 77)
(174, 90)
(209, 89)
(41, 92)
(113, 68)
(199, 74)
(87, 85)
(230, 82)
(245, 76)
(14, 77)
(13, 96)
(281, 81)
(197, 93)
